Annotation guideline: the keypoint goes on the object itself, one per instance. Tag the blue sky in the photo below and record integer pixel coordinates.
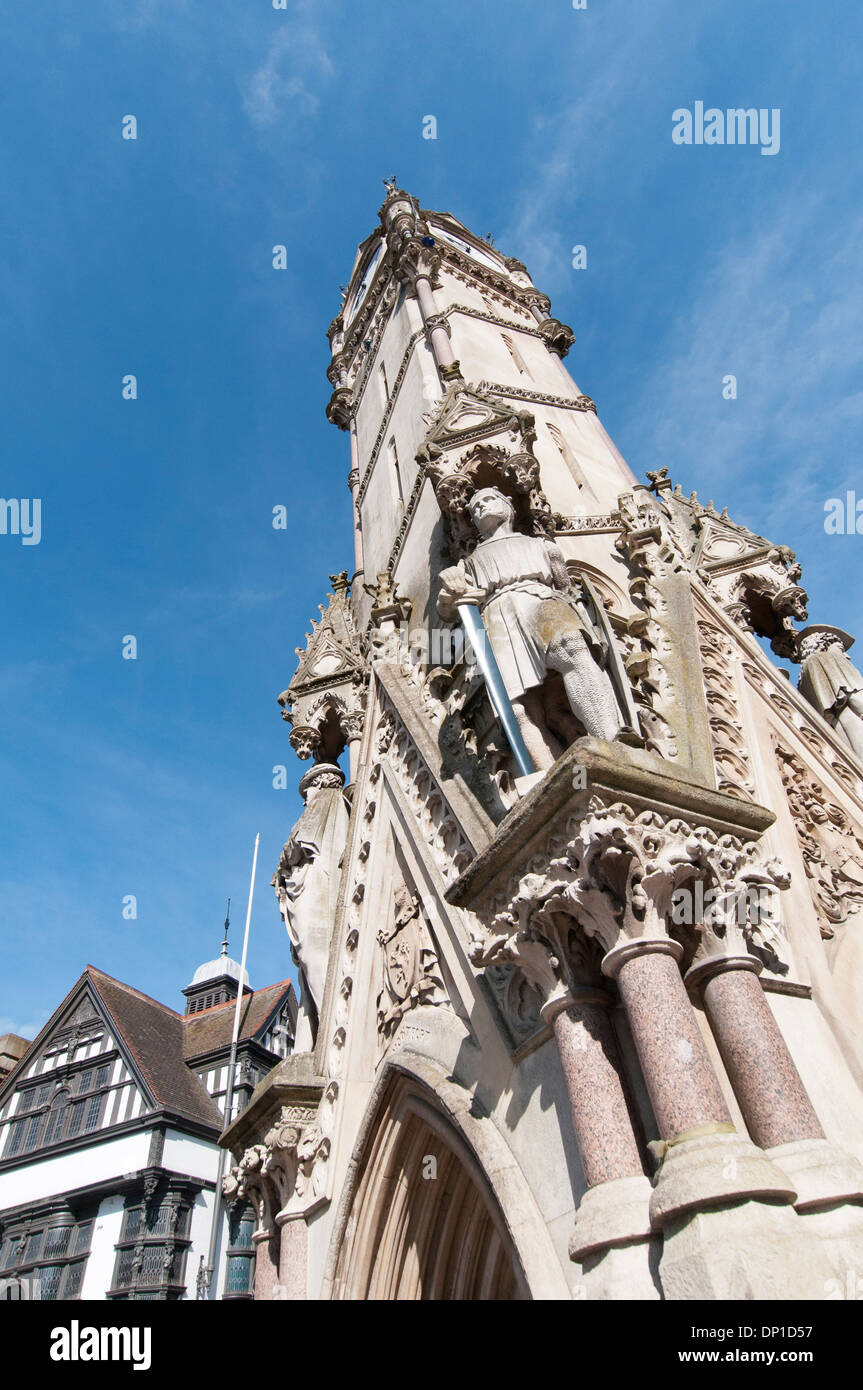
(259, 126)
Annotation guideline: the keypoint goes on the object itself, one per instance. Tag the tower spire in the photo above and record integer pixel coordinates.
(227, 925)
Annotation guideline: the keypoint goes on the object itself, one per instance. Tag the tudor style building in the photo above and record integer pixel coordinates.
(524, 1072)
(108, 1139)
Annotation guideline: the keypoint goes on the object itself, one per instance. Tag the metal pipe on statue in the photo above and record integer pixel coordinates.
(476, 635)
(229, 1093)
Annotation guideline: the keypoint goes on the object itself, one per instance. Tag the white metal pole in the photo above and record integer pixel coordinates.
(212, 1282)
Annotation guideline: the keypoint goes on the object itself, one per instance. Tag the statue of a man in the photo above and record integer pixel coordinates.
(536, 622)
(830, 681)
(307, 883)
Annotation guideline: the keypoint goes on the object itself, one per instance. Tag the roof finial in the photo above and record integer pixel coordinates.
(227, 924)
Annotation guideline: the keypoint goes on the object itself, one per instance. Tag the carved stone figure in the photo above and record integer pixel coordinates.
(830, 681)
(411, 974)
(306, 883)
(537, 622)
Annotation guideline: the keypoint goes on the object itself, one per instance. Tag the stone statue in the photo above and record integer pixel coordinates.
(537, 622)
(830, 681)
(306, 883)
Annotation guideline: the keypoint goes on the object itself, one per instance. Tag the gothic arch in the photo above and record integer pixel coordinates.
(408, 1236)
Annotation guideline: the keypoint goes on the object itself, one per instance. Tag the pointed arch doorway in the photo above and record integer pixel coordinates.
(424, 1222)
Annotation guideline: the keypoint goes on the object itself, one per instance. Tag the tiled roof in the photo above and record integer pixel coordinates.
(153, 1034)
(213, 1028)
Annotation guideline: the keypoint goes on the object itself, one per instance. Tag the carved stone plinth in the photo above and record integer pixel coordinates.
(599, 861)
(829, 1185)
(281, 1151)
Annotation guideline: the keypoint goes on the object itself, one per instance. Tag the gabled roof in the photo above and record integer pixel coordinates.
(153, 1034)
(157, 1041)
(213, 1028)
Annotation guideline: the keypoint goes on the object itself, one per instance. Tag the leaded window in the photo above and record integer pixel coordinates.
(153, 1246)
(50, 1115)
(50, 1256)
(240, 1265)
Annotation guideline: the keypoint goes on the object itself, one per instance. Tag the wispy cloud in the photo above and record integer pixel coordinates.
(573, 143)
(26, 1029)
(786, 325)
(295, 60)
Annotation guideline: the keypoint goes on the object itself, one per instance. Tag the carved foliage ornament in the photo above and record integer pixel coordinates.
(284, 1173)
(832, 848)
(617, 879)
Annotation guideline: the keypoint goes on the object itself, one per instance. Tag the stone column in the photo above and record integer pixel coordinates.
(779, 1115)
(293, 1260)
(613, 1213)
(437, 331)
(266, 1243)
(354, 485)
(590, 1061)
(766, 1082)
(682, 1085)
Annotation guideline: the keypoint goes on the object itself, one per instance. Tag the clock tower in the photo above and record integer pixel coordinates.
(585, 1031)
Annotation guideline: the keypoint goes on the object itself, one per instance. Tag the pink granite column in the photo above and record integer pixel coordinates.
(440, 343)
(266, 1245)
(354, 485)
(680, 1079)
(591, 1066)
(294, 1259)
(766, 1082)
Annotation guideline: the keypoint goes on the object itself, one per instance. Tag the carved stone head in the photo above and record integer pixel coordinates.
(491, 512)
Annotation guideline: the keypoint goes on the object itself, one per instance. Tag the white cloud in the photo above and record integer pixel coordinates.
(295, 58)
(28, 1029)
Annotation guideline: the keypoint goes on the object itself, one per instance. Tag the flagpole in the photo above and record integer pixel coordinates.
(229, 1093)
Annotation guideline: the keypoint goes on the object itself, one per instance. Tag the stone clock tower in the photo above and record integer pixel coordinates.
(586, 1030)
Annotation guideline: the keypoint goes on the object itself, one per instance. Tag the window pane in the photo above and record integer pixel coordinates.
(124, 1268)
(85, 1081)
(94, 1109)
(34, 1240)
(28, 1100)
(76, 1118)
(74, 1277)
(56, 1241)
(158, 1220)
(102, 1074)
(239, 1268)
(17, 1138)
(56, 1117)
(82, 1237)
(152, 1265)
(133, 1223)
(49, 1277)
(32, 1133)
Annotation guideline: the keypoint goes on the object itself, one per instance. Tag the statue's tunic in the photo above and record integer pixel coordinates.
(307, 883)
(523, 607)
(828, 679)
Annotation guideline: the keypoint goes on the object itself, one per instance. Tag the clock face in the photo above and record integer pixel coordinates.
(466, 246)
(363, 287)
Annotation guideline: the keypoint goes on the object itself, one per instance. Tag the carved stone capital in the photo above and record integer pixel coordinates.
(412, 259)
(437, 321)
(351, 724)
(248, 1181)
(296, 1151)
(304, 740)
(340, 406)
(558, 336)
(282, 1176)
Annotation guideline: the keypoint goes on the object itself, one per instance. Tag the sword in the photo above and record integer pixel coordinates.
(476, 635)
